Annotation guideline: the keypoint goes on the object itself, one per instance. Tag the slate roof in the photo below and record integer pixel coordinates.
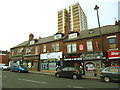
(104, 30)
(83, 34)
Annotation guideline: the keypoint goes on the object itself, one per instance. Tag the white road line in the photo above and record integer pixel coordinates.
(32, 81)
(5, 76)
(77, 87)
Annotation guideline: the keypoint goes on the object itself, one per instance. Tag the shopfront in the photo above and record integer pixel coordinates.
(15, 60)
(32, 62)
(114, 58)
(49, 61)
(93, 63)
(73, 60)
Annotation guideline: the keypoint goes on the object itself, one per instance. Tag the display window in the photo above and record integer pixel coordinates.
(90, 66)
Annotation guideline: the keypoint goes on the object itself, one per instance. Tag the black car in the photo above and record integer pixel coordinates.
(70, 72)
(110, 73)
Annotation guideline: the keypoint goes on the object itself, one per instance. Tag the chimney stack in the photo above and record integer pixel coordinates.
(117, 22)
(31, 36)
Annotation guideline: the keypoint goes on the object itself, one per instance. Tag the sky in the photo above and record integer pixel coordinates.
(19, 18)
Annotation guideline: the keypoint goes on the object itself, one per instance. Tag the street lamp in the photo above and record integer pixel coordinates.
(96, 8)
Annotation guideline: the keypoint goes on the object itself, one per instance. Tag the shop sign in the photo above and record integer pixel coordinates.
(31, 58)
(94, 55)
(16, 58)
(113, 54)
(69, 59)
(51, 55)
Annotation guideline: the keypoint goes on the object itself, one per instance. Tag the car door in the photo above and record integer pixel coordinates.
(70, 71)
(64, 72)
(114, 73)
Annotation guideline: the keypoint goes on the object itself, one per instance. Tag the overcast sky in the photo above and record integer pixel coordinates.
(19, 18)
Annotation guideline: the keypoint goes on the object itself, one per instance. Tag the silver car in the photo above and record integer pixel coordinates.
(4, 67)
(110, 73)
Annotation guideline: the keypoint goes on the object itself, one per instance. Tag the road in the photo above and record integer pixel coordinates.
(29, 80)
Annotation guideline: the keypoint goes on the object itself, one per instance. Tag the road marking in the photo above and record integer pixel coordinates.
(32, 81)
(5, 76)
(77, 87)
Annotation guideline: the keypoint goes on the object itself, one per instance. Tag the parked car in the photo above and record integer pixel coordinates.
(18, 68)
(70, 72)
(110, 73)
(4, 67)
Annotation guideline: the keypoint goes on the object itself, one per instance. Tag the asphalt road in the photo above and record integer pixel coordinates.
(29, 80)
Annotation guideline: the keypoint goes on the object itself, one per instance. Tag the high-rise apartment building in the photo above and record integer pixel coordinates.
(119, 10)
(78, 19)
(62, 20)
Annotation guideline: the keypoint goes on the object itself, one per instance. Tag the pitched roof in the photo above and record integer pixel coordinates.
(83, 34)
(95, 32)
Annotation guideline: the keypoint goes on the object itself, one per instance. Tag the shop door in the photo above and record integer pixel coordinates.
(44, 66)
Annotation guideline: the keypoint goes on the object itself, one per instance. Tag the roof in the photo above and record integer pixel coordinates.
(83, 34)
(95, 32)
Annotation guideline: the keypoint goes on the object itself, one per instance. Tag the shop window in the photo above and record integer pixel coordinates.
(89, 46)
(90, 66)
(35, 64)
(112, 42)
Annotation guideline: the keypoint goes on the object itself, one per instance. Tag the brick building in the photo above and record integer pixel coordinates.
(4, 57)
(75, 49)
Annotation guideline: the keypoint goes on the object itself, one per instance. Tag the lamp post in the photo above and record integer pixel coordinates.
(96, 8)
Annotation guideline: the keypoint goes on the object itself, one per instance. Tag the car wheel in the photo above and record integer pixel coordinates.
(74, 76)
(11, 70)
(57, 75)
(19, 71)
(106, 79)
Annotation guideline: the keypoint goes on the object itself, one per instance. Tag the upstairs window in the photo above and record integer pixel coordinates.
(44, 49)
(55, 47)
(89, 46)
(112, 43)
(71, 48)
(36, 50)
(13, 52)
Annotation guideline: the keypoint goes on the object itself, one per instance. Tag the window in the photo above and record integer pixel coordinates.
(65, 69)
(27, 51)
(12, 52)
(89, 46)
(112, 42)
(18, 51)
(71, 48)
(44, 48)
(55, 47)
(113, 70)
(36, 50)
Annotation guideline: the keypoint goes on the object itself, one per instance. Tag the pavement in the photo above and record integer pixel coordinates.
(52, 73)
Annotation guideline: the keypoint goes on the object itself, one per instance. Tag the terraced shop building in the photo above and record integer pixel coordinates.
(36, 54)
(75, 49)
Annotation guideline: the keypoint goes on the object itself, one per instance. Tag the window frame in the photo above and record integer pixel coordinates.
(89, 46)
